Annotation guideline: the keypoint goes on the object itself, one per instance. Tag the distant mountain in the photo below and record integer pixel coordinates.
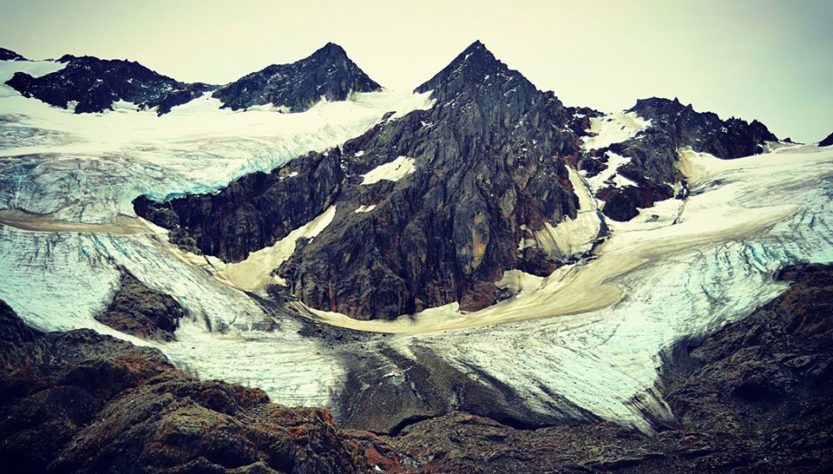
(827, 141)
(94, 85)
(434, 207)
(9, 55)
(327, 73)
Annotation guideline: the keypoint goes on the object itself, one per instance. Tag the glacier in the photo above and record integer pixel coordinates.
(593, 333)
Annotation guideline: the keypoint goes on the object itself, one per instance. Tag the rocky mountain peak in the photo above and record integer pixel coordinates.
(827, 141)
(9, 55)
(474, 68)
(488, 170)
(89, 84)
(295, 87)
(330, 50)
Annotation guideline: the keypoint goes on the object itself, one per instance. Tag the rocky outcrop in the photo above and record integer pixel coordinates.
(488, 169)
(653, 152)
(252, 212)
(827, 141)
(140, 311)
(754, 397)
(83, 402)
(9, 55)
(328, 73)
(94, 85)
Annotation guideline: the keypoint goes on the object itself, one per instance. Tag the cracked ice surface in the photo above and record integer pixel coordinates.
(606, 361)
(60, 281)
(705, 262)
(90, 167)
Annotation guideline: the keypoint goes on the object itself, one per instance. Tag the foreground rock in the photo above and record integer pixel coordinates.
(88, 84)
(754, 397)
(141, 311)
(82, 402)
(326, 74)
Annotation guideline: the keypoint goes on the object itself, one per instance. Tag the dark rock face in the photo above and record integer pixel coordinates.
(141, 311)
(83, 402)
(252, 212)
(489, 162)
(754, 397)
(95, 84)
(327, 73)
(653, 151)
(827, 141)
(9, 55)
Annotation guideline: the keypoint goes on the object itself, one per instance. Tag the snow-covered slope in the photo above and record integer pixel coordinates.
(89, 168)
(745, 219)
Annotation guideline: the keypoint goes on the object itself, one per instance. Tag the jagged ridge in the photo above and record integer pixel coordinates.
(327, 73)
(9, 55)
(654, 151)
(489, 158)
(96, 84)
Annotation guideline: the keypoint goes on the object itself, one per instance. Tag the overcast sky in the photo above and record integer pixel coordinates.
(765, 59)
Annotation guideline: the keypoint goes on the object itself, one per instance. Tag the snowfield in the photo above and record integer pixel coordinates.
(584, 341)
(614, 128)
(392, 171)
(89, 167)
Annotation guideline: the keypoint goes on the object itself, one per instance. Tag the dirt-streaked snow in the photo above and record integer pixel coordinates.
(256, 271)
(391, 171)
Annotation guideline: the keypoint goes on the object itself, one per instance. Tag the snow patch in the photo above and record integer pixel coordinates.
(614, 162)
(614, 128)
(391, 171)
(364, 208)
(101, 162)
(572, 236)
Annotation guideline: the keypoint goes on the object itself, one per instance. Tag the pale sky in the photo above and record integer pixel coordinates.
(765, 59)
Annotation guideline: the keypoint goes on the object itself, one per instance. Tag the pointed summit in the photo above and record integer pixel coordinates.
(295, 87)
(475, 64)
(330, 51)
(93, 85)
(9, 55)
